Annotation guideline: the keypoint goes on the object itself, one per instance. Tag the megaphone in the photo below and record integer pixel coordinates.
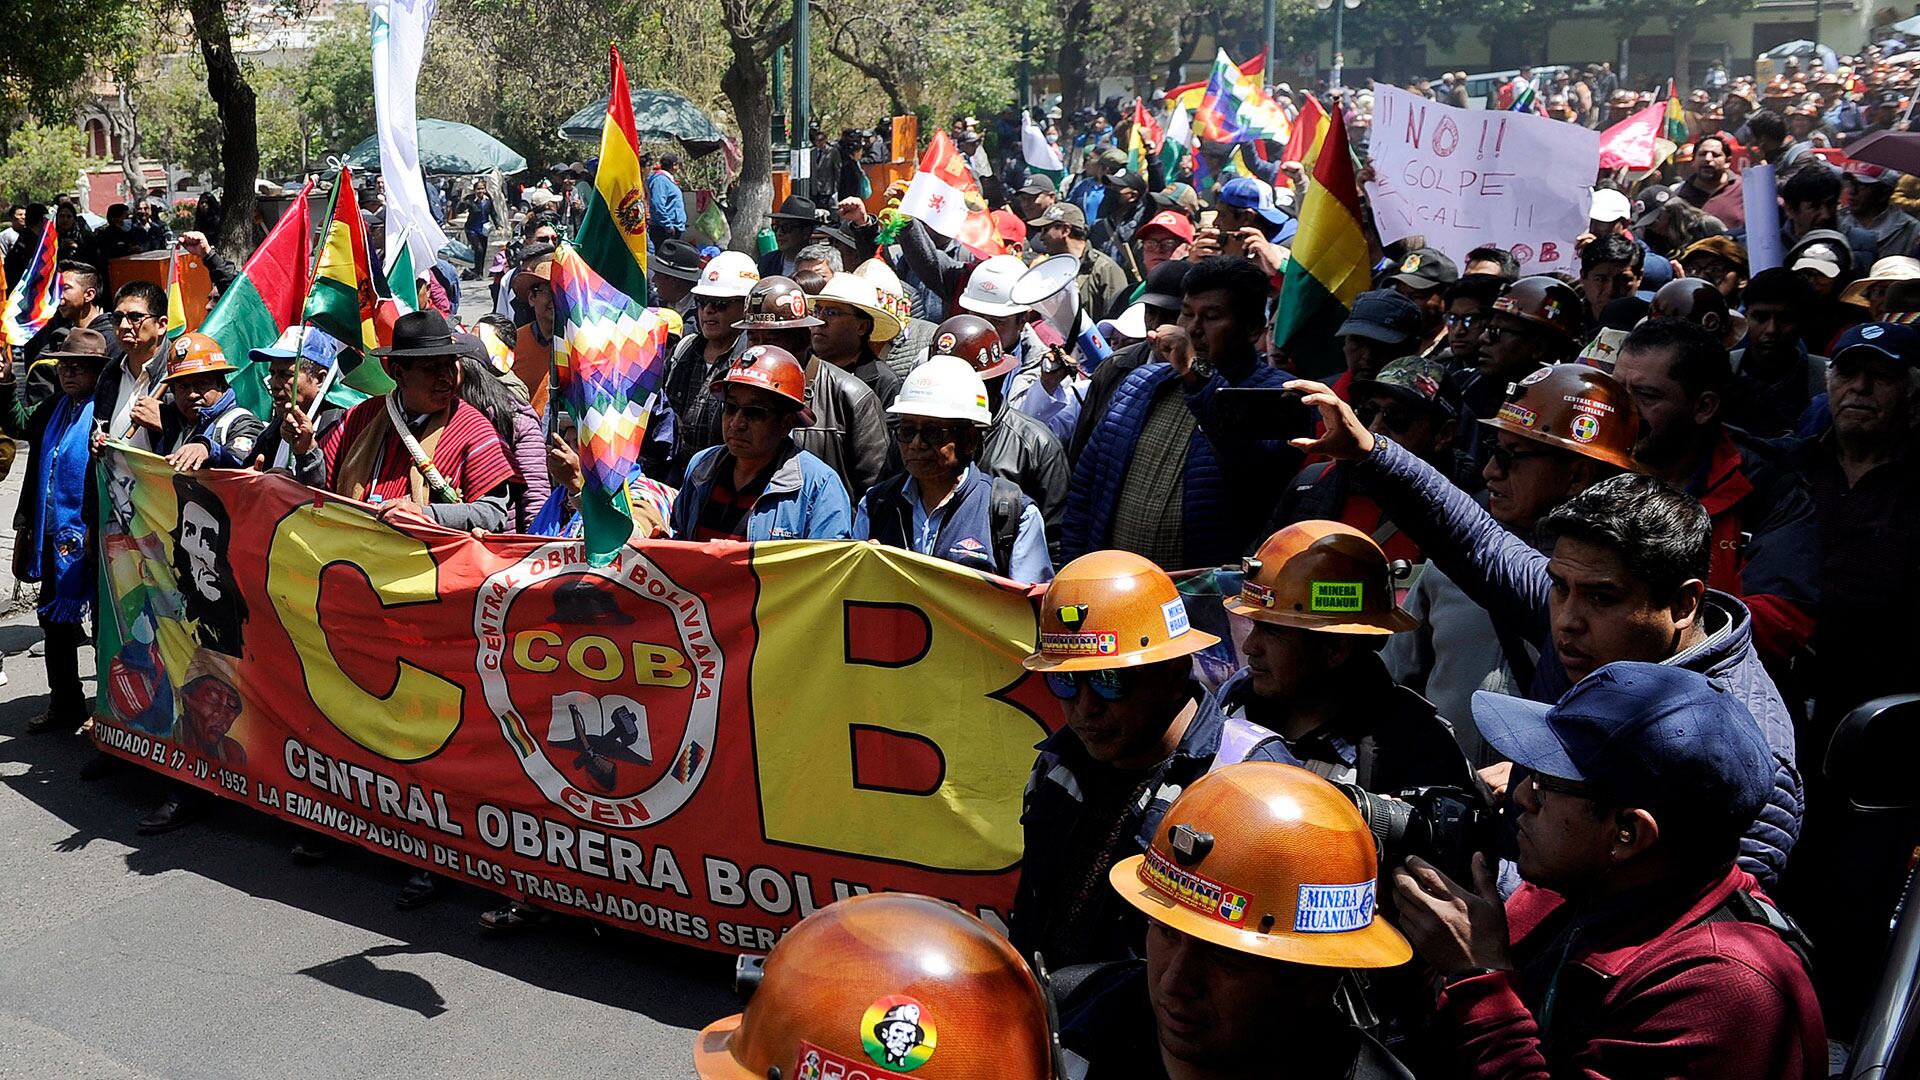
(1047, 288)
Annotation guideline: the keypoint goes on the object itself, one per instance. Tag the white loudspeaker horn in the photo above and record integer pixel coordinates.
(1044, 278)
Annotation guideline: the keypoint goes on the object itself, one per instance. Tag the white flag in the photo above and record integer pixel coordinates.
(1180, 127)
(939, 189)
(1040, 154)
(399, 32)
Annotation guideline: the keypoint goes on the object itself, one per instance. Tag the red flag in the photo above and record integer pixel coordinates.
(1308, 129)
(1629, 143)
(1150, 130)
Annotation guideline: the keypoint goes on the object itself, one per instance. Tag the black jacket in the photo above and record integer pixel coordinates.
(1023, 450)
(849, 431)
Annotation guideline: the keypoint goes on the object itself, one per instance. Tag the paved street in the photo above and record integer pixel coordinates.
(210, 953)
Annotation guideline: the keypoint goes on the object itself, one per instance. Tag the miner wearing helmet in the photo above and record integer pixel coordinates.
(1116, 650)
(705, 354)
(758, 485)
(847, 429)
(943, 505)
(1246, 949)
(1537, 459)
(1534, 322)
(1015, 447)
(1624, 577)
(887, 984)
(1318, 597)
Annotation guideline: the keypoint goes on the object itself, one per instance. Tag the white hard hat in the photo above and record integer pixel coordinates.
(945, 388)
(728, 275)
(857, 292)
(990, 289)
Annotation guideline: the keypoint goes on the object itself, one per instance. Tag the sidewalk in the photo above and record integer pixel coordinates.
(14, 597)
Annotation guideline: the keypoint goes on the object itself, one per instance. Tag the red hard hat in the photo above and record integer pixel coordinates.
(770, 368)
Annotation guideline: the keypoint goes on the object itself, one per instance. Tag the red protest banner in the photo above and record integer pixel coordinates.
(700, 742)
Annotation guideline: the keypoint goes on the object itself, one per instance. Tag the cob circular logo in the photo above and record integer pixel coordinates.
(1584, 428)
(605, 681)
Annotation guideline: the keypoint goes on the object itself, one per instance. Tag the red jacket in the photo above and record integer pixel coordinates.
(1766, 541)
(1646, 991)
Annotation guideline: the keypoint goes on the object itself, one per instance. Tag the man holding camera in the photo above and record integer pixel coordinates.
(1636, 947)
(1625, 580)
(1319, 601)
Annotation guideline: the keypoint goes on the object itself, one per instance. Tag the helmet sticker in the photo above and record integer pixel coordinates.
(897, 1033)
(1536, 375)
(1336, 595)
(1196, 891)
(1101, 644)
(1584, 427)
(820, 1063)
(1072, 615)
(1525, 417)
(1333, 909)
(943, 346)
(1255, 593)
(1174, 612)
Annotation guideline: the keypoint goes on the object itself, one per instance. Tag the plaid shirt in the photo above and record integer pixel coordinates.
(696, 409)
(1149, 507)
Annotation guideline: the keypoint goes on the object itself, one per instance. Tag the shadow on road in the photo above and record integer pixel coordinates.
(245, 850)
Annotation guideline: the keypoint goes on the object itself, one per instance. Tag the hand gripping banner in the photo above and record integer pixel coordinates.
(704, 742)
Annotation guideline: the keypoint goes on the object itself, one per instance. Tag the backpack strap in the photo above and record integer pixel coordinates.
(1008, 502)
(1239, 739)
(1743, 906)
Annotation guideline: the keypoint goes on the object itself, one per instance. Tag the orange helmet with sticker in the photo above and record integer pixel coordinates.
(196, 354)
(1270, 860)
(888, 985)
(1544, 302)
(1321, 575)
(770, 368)
(973, 339)
(1573, 407)
(1113, 609)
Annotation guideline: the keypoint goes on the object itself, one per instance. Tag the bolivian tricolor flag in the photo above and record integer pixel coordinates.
(613, 234)
(341, 298)
(1676, 117)
(1329, 267)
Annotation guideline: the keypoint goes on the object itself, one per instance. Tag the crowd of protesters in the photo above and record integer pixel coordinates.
(1537, 529)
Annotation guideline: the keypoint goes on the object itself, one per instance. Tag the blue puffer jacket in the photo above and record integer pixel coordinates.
(1232, 477)
(1504, 574)
(803, 500)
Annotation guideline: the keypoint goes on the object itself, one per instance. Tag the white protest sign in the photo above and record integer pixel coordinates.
(1463, 178)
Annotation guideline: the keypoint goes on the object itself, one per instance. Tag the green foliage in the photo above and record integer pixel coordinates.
(41, 161)
(179, 123)
(52, 46)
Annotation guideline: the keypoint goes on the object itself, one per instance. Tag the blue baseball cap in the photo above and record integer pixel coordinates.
(1643, 735)
(1895, 341)
(1383, 315)
(1655, 272)
(1248, 193)
(309, 343)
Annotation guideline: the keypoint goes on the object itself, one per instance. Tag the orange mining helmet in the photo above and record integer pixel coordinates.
(908, 984)
(770, 368)
(1321, 575)
(1270, 860)
(1113, 609)
(1573, 407)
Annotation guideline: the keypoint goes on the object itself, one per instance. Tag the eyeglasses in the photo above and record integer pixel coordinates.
(1399, 419)
(718, 301)
(135, 317)
(791, 227)
(1108, 685)
(1456, 322)
(931, 434)
(1161, 243)
(754, 414)
(1504, 458)
(74, 366)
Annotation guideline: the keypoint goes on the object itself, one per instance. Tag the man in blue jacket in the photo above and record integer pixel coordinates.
(757, 485)
(1626, 580)
(1167, 473)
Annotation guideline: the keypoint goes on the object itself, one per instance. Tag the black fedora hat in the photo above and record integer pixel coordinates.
(420, 334)
(581, 603)
(796, 208)
(677, 259)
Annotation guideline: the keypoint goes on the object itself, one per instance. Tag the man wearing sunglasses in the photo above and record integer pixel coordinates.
(704, 355)
(943, 505)
(139, 320)
(1116, 650)
(1415, 401)
(758, 485)
(1636, 946)
(1625, 578)
(792, 230)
